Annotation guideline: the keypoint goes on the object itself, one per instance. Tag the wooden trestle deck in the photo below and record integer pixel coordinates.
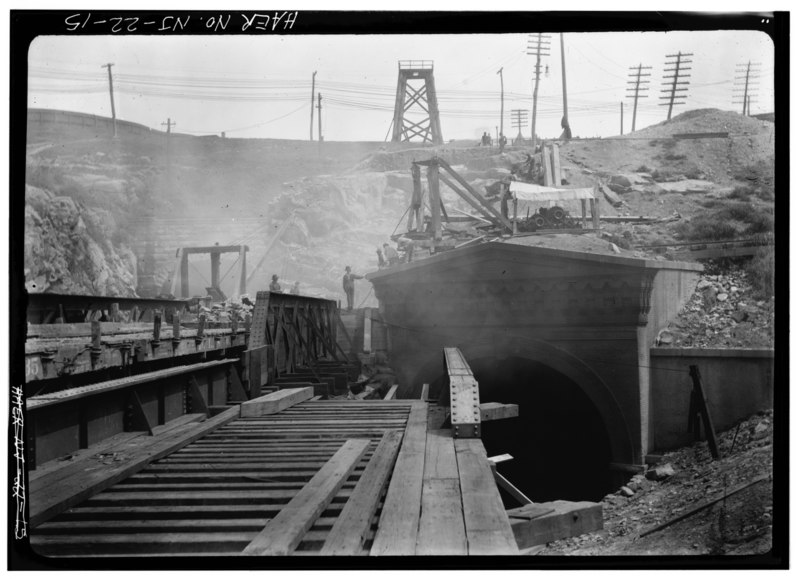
(322, 477)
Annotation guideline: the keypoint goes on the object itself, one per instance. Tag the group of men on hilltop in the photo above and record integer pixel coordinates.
(486, 141)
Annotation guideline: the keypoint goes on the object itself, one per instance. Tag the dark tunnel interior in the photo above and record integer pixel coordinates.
(559, 443)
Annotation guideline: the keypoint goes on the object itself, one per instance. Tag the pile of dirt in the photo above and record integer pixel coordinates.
(706, 121)
(576, 242)
(643, 517)
(749, 148)
(725, 311)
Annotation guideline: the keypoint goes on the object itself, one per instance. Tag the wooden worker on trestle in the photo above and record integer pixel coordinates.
(349, 286)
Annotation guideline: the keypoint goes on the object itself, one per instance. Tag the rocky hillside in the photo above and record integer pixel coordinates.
(71, 248)
(726, 311)
(348, 198)
(185, 183)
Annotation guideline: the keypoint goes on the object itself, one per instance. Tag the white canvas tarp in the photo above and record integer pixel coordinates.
(538, 193)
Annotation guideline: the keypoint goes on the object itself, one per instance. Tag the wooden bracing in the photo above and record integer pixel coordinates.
(418, 99)
(440, 170)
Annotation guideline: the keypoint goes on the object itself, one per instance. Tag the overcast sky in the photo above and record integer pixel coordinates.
(260, 86)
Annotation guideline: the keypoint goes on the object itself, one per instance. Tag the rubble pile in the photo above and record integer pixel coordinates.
(723, 312)
(373, 382)
(227, 311)
(684, 480)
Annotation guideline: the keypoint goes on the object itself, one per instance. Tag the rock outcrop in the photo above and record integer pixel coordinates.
(72, 249)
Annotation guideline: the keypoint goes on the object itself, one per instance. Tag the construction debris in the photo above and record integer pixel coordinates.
(673, 516)
(558, 520)
(724, 312)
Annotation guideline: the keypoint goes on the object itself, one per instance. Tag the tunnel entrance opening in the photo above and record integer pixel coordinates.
(560, 445)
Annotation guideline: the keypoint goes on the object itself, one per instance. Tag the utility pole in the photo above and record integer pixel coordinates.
(640, 86)
(502, 97)
(751, 73)
(620, 118)
(567, 134)
(311, 128)
(538, 44)
(169, 124)
(519, 120)
(319, 116)
(111, 92)
(680, 66)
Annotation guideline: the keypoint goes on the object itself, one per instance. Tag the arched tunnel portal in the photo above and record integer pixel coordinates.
(569, 432)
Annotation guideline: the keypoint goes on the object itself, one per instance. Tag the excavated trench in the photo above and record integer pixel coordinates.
(560, 446)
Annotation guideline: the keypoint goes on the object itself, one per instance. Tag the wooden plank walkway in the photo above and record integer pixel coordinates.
(324, 477)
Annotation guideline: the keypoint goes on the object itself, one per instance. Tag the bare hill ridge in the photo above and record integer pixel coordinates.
(351, 196)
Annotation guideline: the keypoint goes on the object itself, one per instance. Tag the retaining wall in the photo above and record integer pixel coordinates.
(42, 120)
(737, 383)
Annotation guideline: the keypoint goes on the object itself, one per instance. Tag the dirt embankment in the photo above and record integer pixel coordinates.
(690, 504)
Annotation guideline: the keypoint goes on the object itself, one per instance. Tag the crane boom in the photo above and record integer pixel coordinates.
(281, 230)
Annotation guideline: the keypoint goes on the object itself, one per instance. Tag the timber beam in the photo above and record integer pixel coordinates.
(464, 399)
(498, 411)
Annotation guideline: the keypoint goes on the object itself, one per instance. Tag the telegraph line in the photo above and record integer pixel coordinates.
(343, 95)
(297, 94)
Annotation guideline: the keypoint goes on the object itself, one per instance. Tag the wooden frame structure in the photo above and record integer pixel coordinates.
(457, 183)
(421, 97)
(215, 251)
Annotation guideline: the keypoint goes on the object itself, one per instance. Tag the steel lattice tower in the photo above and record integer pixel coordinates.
(414, 97)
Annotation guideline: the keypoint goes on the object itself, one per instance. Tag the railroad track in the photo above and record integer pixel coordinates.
(214, 496)
(276, 476)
